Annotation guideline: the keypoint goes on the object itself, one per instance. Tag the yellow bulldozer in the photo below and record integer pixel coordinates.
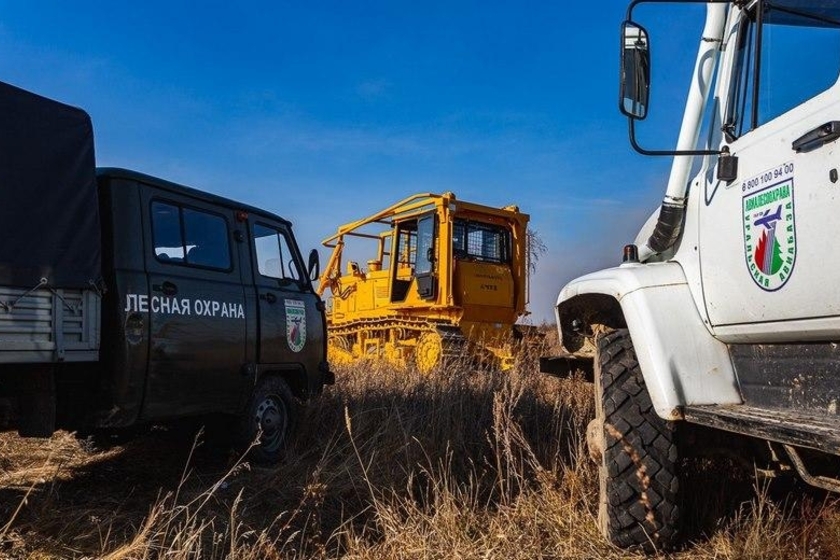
(448, 280)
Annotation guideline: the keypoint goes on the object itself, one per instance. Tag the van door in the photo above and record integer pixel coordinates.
(291, 328)
(195, 305)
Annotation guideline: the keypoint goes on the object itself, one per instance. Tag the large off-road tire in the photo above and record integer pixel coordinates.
(636, 451)
(272, 413)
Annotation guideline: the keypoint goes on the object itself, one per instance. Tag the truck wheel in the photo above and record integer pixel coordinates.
(271, 412)
(635, 450)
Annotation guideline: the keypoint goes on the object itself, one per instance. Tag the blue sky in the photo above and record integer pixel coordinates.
(324, 112)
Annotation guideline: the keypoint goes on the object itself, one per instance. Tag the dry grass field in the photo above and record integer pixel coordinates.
(387, 464)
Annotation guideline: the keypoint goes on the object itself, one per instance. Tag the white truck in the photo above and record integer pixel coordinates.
(725, 312)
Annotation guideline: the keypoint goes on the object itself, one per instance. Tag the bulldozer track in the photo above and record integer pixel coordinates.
(439, 343)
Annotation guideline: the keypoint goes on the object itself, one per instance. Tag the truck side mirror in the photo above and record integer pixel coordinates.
(314, 267)
(634, 90)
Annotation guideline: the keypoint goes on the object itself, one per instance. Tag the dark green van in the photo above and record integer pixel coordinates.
(156, 301)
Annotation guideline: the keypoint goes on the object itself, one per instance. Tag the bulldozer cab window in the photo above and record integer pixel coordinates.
(478, 241)
(768, 76)
(425, 245)
(424, 270)
(414, 258)
(406, 254)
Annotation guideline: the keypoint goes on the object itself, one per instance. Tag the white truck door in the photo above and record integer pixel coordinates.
(768, 241)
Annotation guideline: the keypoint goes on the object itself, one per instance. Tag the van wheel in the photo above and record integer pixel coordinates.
(271, 413)
(635, 450)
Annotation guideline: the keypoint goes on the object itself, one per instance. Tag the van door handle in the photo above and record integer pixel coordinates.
(167, 288)
(269, 297)
(817, 137)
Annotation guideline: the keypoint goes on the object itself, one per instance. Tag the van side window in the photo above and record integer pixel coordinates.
(275, 258)
(190, 237)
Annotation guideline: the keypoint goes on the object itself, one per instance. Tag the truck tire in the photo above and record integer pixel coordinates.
(636, 452)
(272, 413)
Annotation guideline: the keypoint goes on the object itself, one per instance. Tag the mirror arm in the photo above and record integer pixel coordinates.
(646, 152)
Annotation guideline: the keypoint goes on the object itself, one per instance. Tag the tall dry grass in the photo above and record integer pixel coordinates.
(387, 464)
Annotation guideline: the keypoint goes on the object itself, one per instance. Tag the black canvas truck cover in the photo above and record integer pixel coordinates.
(49, 215)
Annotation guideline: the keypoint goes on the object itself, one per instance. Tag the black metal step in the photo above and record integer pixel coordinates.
(816, 431)
(566, 366)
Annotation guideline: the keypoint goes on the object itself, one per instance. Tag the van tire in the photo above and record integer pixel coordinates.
(637, 471)
(273, 409)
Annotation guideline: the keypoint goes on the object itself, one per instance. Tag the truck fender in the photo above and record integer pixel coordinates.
(681, 362)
